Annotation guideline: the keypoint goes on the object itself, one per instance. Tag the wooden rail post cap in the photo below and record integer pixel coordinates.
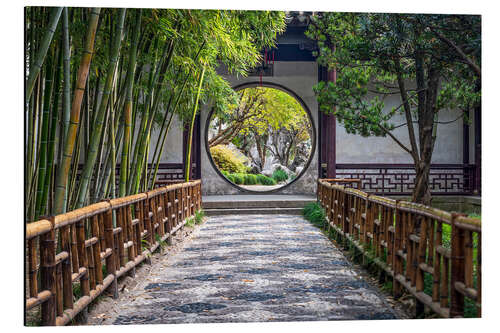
(50, 218)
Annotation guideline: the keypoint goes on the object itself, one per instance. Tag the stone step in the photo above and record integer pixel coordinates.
(256, 204)
(251, 211)
(256, 201)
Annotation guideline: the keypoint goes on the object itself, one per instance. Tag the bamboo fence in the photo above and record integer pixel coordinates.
(97, 245)
(406, 241)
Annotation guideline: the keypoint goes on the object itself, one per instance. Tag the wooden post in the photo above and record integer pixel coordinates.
(130, 237)
(436, 279)
(110, 260)
(32, 266)
(147, 221)
(82, 256)
(397, 288)
(66, 268)
(457, 268)
(97, 249)
(48, 275)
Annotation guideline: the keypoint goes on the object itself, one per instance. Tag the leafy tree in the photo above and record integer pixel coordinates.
(432, 62)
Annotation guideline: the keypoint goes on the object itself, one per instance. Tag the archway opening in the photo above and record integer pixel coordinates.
(264, 142)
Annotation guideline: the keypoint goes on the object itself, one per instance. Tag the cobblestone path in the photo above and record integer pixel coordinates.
(253, 268)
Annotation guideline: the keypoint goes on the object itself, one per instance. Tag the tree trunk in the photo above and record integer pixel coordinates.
(421, 192)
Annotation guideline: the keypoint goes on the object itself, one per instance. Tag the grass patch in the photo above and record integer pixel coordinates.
(190, 222)
(314, 213)
(198, 216)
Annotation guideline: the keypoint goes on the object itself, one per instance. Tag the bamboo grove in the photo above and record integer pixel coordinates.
(99, 81)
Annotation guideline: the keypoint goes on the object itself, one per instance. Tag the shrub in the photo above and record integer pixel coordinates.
(314, 213)
(265, 180)
(250, 179)
(230, 177)
(225, 159)
(239, 178)
(279, 175)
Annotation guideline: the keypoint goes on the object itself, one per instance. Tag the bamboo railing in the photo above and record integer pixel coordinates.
(93, 251)
(407, 241)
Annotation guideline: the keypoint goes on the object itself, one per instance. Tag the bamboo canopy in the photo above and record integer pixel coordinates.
(100, 81)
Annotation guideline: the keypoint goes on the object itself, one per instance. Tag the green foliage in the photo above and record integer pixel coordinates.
(265, 180)
(373, 49)
(239, 178)
(190, 222)
(314, 213)
(162, 244)
(198, 216)
(279, 175)
(230, 177)
(225, 160)
(161, 53)
(250, 179)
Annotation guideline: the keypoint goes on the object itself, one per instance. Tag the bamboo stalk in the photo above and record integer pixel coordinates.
(63, 170)
(127, 112)
(42, 52)
(187, 171)
(43, 138)
(96, 136)
(66, 70)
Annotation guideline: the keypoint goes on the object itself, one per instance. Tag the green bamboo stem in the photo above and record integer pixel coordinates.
(42, 52)
(140, 141)
(165, 133)
(113, 147)
(96, 171)
(52, 136)
(66, 105)
(44, 137)
(127, 112)
(190, 139)
(147, 132)
(83, 71)
(96, 133)
(157, 159)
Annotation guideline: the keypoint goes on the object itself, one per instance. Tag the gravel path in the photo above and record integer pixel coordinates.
(252, 268)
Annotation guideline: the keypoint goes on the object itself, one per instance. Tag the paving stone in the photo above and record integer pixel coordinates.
(253, 268)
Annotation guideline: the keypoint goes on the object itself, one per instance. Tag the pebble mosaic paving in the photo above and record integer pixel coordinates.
(253, 268)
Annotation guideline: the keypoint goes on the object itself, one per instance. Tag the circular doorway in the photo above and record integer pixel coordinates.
(265, 142)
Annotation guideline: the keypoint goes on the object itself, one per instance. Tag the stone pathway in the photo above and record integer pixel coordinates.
(253, 268)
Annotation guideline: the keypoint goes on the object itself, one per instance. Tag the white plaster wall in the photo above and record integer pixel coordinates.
(357, 149)
(172, 150)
